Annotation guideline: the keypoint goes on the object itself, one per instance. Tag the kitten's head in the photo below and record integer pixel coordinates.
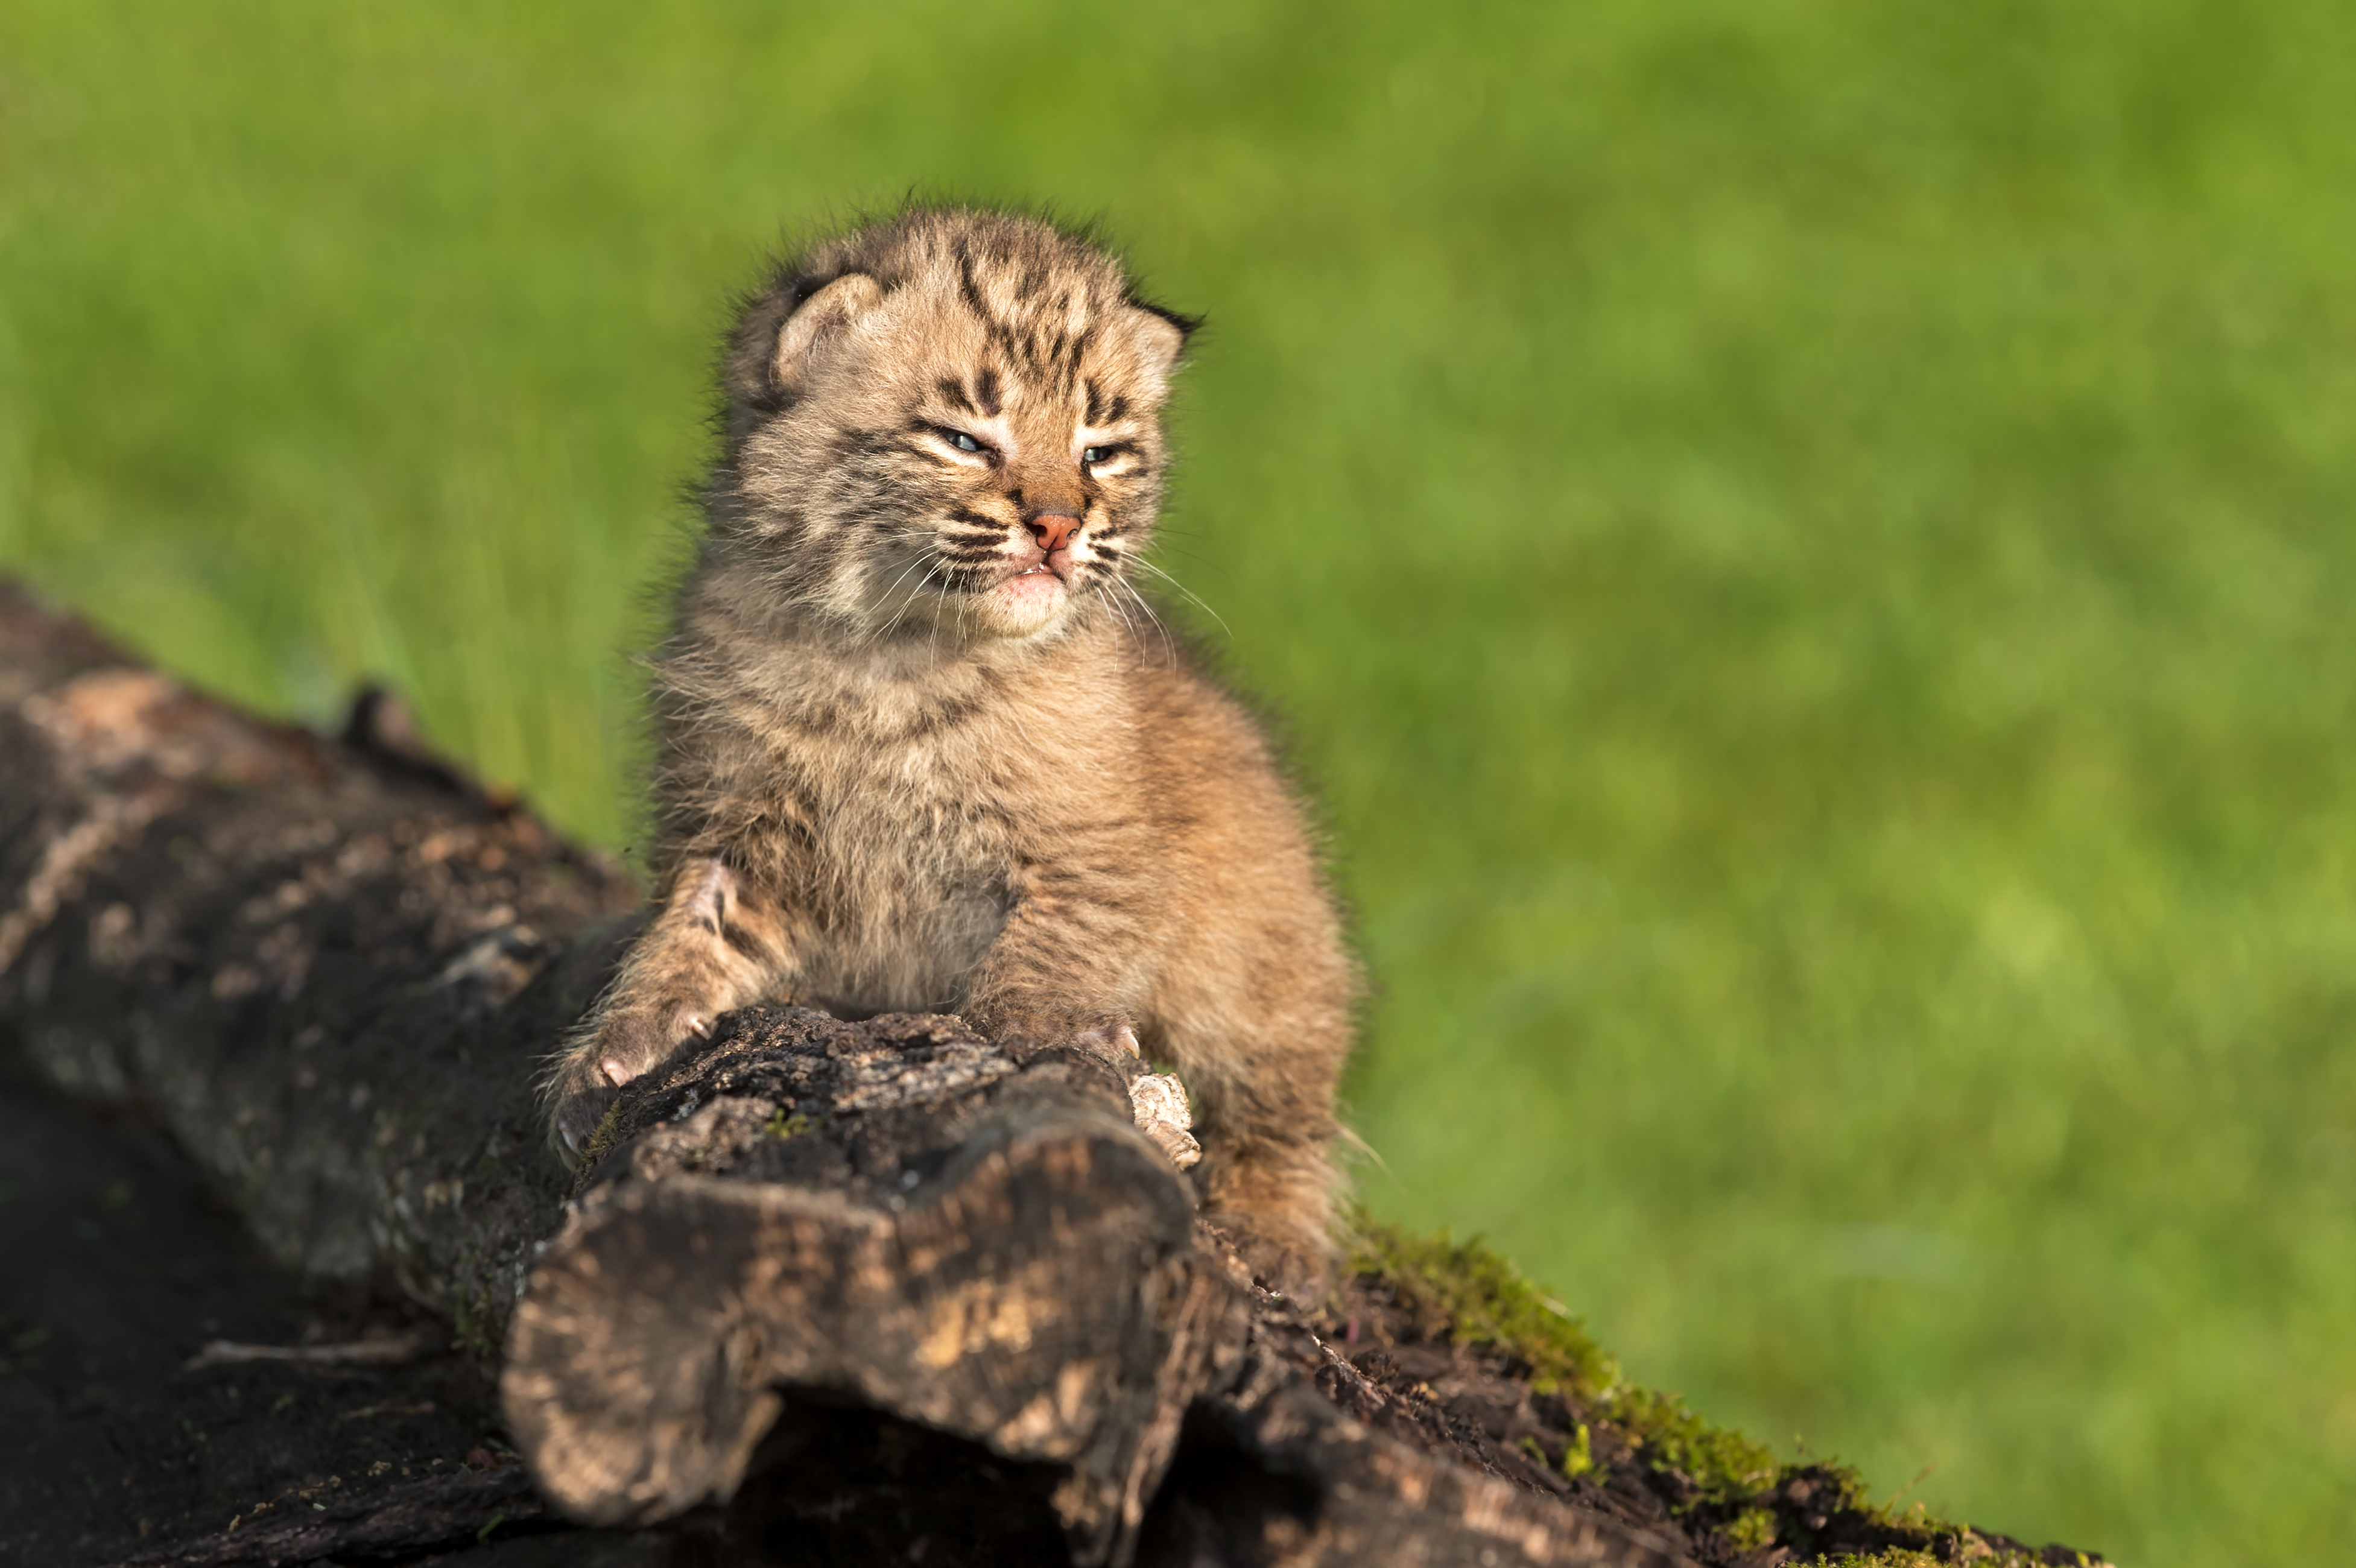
(951, 419)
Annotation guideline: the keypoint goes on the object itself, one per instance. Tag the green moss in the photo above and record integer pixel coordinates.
(1579, 1456)
(781, 1126)
(1727, 1466)
(477, 1319)
(1752, 1530)
(1467, 1292)
(1905, 1557)
(473, 1327)
(607, 1132)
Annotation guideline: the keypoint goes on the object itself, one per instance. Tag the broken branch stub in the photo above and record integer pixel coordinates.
(898, 1213)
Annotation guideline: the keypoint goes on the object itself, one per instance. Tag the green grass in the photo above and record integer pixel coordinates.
(1806, 549)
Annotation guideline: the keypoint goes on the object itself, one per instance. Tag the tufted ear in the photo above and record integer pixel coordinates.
(817, 322)
(820, 318)
(1157, 336)
(774, 347)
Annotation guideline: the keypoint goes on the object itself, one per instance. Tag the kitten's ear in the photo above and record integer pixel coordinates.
(775, 348)
(819, 318)
(1158, 336)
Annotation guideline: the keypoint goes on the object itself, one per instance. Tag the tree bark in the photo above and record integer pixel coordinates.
(898, 1212)
(329, 968)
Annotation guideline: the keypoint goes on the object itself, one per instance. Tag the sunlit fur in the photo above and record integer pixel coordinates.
(897, 774)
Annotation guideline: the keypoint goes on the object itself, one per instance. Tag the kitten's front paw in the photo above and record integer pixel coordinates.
(578, 1107)
(626, 1043)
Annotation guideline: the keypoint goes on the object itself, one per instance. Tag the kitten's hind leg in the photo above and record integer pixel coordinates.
(1276, 1195)
(1263, 1082)
(711, 949)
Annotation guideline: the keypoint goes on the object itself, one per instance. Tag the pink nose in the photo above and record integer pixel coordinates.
(1054, 530)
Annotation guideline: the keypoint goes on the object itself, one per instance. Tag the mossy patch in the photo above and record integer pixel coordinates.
(1980, 1553)
(1726, 1493)
(610, 1129)
(1467, 1293)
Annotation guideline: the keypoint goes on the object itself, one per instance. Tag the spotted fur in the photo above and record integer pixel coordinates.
(923, 744)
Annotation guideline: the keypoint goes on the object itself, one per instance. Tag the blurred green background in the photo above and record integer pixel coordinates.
(1805, 549)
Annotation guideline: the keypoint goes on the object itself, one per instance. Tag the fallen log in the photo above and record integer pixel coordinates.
(328, 967)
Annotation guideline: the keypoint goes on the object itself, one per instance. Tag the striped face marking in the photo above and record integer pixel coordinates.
(989, 411)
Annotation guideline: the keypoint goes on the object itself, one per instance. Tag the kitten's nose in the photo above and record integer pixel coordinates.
(1053, 529)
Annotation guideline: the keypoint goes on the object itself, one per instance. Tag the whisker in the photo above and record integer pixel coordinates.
(1168, 648)
(1189, 593)
(1127, 627)
(915, 563)
(921, 561)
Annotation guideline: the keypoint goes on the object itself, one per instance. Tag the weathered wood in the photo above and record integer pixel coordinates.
(328, 967)
(447, 1511)
(326, 971)
(899, 1212)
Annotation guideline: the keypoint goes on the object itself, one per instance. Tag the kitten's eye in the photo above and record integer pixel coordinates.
(1096, 454)
(963, 441)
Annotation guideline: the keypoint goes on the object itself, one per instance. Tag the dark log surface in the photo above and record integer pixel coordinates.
(325, 969)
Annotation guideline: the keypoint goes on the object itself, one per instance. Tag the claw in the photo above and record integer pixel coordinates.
(628, 1045)
(577, 1119)
(1118, 1038)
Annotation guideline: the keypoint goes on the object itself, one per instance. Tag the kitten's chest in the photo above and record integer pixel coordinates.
(908, 875)
(920, 812)
(906, 795)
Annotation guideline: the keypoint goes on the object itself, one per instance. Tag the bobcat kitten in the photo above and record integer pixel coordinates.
(920, 747)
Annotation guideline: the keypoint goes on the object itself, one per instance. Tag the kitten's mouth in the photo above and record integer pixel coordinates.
(1053, 570)
(1037, 581)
